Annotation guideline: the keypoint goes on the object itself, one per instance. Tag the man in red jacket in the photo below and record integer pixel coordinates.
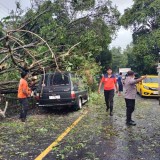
(110, 83)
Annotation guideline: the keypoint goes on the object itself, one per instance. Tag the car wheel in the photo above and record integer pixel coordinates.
(78, 105)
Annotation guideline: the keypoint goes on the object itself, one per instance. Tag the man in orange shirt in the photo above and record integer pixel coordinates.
(110, 83)
(23, 94)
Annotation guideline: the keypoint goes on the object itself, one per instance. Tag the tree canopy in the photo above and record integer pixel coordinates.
(77, 32)
(144, 18)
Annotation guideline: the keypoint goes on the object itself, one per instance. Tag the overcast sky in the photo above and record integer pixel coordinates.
(124, 37)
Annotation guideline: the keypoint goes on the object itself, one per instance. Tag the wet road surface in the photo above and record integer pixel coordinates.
(96, 137)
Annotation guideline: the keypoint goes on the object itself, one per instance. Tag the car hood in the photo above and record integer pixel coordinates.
(152, 85)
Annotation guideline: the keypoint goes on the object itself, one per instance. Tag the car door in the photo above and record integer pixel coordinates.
(57, 90)
(43, 89)
(138, 86)
(60, 88)
(83, 89)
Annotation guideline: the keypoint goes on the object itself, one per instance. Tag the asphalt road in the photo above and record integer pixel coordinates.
(97, 136)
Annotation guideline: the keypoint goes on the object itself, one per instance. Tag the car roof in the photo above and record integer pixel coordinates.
(65, 72)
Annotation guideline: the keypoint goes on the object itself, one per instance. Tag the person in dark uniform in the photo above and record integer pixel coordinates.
(130, 95)
(120, 84)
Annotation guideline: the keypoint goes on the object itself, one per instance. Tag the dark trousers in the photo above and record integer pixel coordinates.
(24, 107)
(120, 87)
(109, 95)
(130, 106)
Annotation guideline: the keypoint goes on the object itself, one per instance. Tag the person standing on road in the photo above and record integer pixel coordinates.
(23, 94)
(110, 83)
(130, 95)
(120, 84)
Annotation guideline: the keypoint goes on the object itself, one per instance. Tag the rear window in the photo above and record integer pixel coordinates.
(59, 79)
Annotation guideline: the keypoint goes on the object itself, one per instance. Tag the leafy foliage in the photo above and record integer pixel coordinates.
(119, 59)
(63, 24)
(144, 18)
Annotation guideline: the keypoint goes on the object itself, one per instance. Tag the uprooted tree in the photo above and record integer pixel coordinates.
(64, 26)
(59, 35)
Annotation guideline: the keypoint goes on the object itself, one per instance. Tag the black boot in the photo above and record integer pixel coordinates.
(107, 109)
(23, 119)
(131, 123)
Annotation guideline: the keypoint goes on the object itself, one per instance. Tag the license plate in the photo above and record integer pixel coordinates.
(54, 97)
(155, 92)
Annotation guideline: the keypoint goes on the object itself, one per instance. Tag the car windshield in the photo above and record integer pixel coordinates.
(59, 79)
(151, 80)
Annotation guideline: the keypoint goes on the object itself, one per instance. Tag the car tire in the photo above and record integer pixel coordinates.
(78, 104)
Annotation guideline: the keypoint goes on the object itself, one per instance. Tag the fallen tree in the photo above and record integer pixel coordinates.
(51, 37)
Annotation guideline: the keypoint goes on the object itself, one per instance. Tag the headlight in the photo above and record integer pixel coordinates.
(146, 87)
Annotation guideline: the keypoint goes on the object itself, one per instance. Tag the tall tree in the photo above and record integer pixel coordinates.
(119, 59)
(144, 18)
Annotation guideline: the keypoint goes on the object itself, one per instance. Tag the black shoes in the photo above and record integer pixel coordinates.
(107, 109)
(23, 119)
(131, 123)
